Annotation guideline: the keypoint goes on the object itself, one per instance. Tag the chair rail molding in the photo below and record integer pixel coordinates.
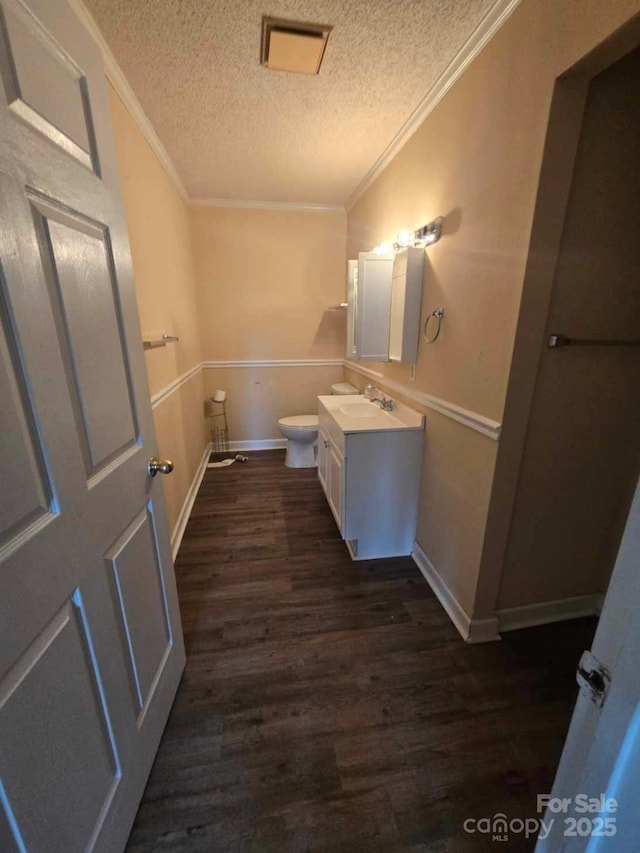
(164, 393)
(282, 362)
(475, 421)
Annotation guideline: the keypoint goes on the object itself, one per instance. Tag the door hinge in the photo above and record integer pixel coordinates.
(594, 678)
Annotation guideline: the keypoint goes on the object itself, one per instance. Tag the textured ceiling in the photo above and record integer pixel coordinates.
(237, 130)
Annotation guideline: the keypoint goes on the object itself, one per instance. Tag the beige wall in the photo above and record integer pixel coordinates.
(259, 396)
(476, 160)
(266, 281)
(234, 285)
(158, 224)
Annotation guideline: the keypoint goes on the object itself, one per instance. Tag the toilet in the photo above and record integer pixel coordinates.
(301, 432)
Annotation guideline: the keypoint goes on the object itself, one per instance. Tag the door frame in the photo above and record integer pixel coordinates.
(556, 177)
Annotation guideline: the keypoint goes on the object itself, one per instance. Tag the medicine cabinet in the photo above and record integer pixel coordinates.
(384, 295)
(406, 303)
(370, 306)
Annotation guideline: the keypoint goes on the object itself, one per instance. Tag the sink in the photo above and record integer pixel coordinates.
(354, 414)
(360, 410)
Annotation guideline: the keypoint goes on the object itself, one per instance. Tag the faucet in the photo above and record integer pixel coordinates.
(386, 403)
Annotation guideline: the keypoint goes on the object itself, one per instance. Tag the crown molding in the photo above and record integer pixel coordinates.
(116, 76)
(489, 25)
(258, 204)
(485, 30)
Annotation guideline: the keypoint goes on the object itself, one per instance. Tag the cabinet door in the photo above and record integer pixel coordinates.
(373, 306)
(352, 307)
(406, 303)
(323, 460)
(336, 470)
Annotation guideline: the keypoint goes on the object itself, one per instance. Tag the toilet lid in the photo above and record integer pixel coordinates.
(300, 421)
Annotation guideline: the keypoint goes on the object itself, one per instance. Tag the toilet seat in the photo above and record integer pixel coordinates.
(300, 422)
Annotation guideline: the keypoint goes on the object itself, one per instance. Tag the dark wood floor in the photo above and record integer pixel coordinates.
(331, 706)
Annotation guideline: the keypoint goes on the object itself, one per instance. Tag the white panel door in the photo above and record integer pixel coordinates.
(601, 757)
(91, 651)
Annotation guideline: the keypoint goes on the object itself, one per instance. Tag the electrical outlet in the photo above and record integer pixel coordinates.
(412, 373)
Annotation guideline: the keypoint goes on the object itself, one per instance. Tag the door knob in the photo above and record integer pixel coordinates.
(154, 465)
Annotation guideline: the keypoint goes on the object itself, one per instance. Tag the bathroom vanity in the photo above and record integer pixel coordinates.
(369, 463)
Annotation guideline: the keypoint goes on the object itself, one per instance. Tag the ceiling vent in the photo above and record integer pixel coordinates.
(293, 46)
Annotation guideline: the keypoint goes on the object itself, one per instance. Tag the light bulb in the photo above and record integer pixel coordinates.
(405, 239)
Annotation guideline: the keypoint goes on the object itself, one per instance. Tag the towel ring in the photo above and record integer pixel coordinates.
(438, 313)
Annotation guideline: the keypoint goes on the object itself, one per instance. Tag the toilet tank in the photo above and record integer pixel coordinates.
(344, 388)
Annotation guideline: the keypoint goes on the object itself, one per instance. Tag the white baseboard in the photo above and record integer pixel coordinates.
(471, 630)
(187, 506)
(529, 615)
(483, 631)
(259, 444)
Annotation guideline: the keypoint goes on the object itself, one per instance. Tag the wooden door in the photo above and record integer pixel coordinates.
(91, 650)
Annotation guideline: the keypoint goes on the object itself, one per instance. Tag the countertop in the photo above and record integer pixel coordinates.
(400, 418)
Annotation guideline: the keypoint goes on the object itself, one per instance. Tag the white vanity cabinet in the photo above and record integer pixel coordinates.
(369, 469)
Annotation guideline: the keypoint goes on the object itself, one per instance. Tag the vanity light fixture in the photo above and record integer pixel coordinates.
(421, 237)
(429, 233)
(405, 239)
